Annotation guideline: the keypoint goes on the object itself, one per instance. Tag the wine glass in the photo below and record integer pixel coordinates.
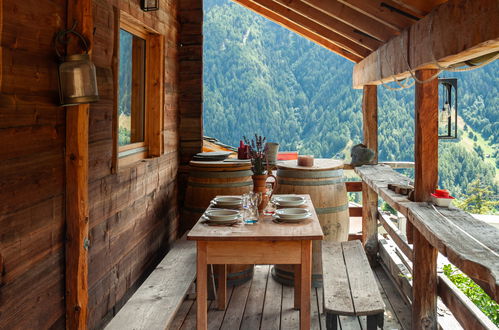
(270, 208)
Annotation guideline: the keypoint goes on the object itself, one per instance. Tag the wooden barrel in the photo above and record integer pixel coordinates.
(208, 180)
(325, 184)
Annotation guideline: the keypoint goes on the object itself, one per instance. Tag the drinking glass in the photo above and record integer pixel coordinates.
(270, 208)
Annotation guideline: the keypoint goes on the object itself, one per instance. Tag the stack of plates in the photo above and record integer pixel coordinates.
(211, 156)
(222, 217)
(289, 201)
(291, 215)
(228, 202)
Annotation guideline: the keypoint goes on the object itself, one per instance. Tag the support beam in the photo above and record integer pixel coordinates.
(432, 39)
(424, 308)
(370, 118)
(424, 287)
(426, 136)
(298, 29)
(383, 11)
(353, 18)
(77, 185)
(369, 196)
(314, 28)
(331, 23)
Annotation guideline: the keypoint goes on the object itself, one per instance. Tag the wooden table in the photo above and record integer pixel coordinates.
(266, 242)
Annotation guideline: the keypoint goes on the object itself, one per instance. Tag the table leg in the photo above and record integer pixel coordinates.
(306, 283)
(201, 287)
(221, 271)
(297, 281)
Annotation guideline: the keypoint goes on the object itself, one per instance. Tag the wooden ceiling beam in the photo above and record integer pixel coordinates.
(288, 24)
(384, 11)
(353, 18)
(331, 23)
(314, 28)
(423, 7)
(461, 31)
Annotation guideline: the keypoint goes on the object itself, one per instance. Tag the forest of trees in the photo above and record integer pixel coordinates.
(261, 78)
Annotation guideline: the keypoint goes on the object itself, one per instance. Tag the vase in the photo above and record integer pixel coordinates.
(259, 186)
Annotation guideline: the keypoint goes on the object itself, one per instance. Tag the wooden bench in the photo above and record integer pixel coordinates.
(350, 288)
(155, 303)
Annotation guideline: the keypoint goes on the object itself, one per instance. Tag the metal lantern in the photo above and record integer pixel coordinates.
(149, 5)
(77, 77)
(447, 115)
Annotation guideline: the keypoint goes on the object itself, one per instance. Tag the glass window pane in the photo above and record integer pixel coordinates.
(131, 91)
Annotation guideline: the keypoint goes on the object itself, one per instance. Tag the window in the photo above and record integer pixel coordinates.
(139, 115)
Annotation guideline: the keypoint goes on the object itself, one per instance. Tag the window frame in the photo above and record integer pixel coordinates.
(152, 146)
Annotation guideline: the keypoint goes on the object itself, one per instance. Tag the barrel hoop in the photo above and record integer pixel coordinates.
(287, 278)
(231, 174)
(220, 185)
(310, 183)
(335, 209)
(244, 272)
(309, 174)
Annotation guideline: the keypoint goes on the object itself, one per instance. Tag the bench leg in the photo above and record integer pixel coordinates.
(373, 321)
(331, 321)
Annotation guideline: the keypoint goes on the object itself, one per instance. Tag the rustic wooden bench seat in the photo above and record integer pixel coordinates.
(350, 288)
(155, 303)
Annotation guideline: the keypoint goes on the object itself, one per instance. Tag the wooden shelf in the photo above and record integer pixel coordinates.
(470, 244)
(378, 177)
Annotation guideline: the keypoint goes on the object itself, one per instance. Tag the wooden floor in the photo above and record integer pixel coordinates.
(265, 304)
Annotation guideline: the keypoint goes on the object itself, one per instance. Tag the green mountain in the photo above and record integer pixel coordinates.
(261, 78)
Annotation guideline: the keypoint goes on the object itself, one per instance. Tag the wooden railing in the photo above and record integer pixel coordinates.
(466, 242)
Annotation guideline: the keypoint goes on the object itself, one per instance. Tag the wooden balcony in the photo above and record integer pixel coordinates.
(265, 304)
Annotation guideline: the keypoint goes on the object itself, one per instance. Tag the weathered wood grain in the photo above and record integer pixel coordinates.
(154, 304)
(254, 303)
(335, 279)
(424, 284)
(378, 177)
(416, 48)
(365, 293)
(468, 243)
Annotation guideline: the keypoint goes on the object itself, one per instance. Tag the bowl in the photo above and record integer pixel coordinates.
(222, 215)
(289, 200)
(441, 193)
(228, 200)
(442, 201)
(293, 213)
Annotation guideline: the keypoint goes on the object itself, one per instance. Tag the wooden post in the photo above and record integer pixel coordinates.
(369, 196)
(77, 185)
(424, 306)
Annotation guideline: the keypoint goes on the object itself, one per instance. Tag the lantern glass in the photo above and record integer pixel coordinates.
(77, 80)
(447, 113)
(149, 5)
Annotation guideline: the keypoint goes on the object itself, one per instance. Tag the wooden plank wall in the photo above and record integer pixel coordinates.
(133, 213)
(133, 210)
(190, 87)
(32, 138)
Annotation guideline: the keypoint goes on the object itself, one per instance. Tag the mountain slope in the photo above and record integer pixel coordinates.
(261, 78)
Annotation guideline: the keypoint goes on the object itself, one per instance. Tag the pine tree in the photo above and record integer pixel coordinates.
(479, 200)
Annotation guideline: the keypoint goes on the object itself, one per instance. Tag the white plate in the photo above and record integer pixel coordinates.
(279, 219)
(235, 219)
(293, 213)
(225, 222)
(289, 200)
(228, 200)
(222, 215)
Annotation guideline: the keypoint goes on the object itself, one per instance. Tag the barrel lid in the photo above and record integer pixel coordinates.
(320, 164)
(220, 165)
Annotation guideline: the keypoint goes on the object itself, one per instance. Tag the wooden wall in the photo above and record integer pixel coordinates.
(190, 88)
(32, 137)
(133, 210)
